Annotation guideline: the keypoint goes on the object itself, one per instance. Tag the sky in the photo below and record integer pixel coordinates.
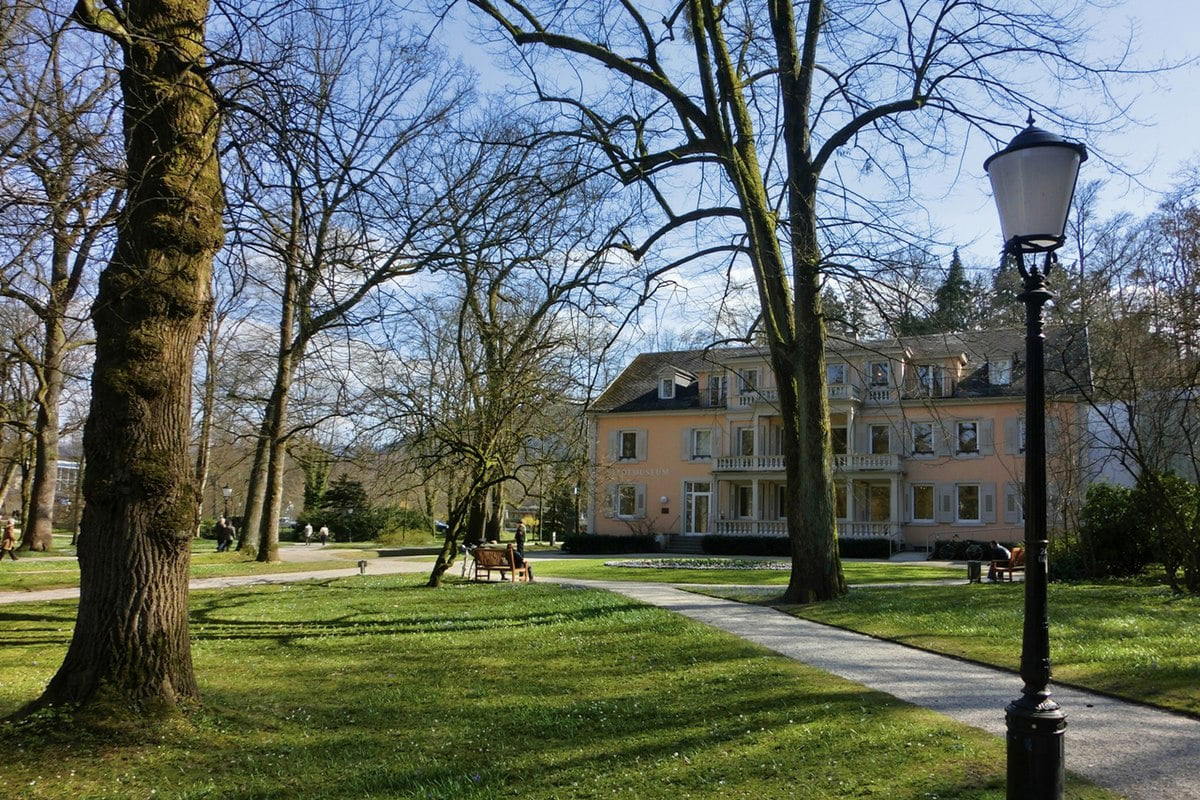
(1154, 144)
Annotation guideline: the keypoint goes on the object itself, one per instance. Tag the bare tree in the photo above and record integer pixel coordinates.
(776, 127)
(60, 175)
(330, 199)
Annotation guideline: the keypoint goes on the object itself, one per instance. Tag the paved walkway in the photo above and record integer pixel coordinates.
(1141, 752)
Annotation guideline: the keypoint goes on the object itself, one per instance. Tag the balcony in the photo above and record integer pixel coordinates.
(851, 462)
(838, 392)
(778, 527)
(882, 395)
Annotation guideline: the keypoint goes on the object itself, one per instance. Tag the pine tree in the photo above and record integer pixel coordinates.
(955, 307)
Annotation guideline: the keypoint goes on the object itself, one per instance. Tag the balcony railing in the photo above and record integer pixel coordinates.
(839, 391)
(852, 462)
(882, 395)
(778, 527)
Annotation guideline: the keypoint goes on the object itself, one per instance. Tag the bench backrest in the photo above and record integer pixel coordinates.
(1018, 557)
(494, 557)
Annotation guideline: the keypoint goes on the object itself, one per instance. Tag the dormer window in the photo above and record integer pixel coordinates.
(666, 388)
(1000, 372)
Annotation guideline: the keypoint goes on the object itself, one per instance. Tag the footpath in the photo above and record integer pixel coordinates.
(1141, 752)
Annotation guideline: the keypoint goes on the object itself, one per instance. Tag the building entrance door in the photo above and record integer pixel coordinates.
(697, 506)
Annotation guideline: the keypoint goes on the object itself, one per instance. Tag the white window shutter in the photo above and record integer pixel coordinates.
(1012, 435)
(716, 442)
(687, 454)
(641, 444)
(907, 505)
(1012, 503)
(987, 436)
(862, 437)
(987, 502)
(898, 441)
(613, 500)
(944, 495)
(943, 443)
(614, 445)
(641, 500)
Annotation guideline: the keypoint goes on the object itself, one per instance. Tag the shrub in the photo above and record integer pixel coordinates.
(961, 550)
(1114, 543)
(1166, 509)
(393, 525)
(590, 543)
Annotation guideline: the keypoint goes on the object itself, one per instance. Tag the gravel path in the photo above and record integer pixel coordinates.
(1141, 752)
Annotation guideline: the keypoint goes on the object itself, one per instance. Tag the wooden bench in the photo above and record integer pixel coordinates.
(503, 560)
(1010, 565)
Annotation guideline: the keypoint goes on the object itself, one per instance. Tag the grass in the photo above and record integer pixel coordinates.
(1130, 640)
(33, 574)
(374, 688)
(855, 571)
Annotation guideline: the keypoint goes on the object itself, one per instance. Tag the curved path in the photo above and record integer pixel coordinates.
(1141, 752)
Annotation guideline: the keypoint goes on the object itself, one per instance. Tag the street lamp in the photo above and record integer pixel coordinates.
(226, 492)
(1033, 180)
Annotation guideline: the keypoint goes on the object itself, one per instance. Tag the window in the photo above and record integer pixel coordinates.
(629, 448)
(838, 439)
(745, 441)
(627, 499)
(835, 373)
(881, 439)
(880, 373)
(1020, 434)
(781, 502)
(968, 502)
(701, 443)
(666, 388)
(929, 379)
(968, 437)
(745, 502)
(716, 390)
(840, 507)
(1000, 372)
(922, 436)
(747, 381)
(922, 502)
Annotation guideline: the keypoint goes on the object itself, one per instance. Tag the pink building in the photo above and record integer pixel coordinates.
(928, 438)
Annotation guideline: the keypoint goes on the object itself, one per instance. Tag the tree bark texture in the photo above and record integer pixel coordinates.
(39, 525)
(130, 650)
(255, 486)
(207, 403)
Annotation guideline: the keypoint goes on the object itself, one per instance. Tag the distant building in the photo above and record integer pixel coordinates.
(928, 438)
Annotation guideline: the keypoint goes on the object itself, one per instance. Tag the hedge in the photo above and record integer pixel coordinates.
(590, 543)
(719, 545)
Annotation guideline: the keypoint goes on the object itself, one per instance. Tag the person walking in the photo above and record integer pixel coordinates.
(308, 534)
(8, 545)
(224, 535)
(323, 535)
(519, 551)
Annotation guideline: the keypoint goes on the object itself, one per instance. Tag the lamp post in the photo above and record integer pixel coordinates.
(1033, 180)
(226, 492)
(577, 510)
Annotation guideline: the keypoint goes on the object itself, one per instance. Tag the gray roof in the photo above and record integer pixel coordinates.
(1067, 365)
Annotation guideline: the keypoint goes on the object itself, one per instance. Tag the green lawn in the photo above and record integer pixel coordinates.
(375, 688)
(31, 574)
(1134, 641)
(855, 571)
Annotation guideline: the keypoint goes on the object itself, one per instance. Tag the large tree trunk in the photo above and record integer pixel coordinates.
(268, 532)
(130, 651)
(39, 530)
(255, 486)
(7, 479)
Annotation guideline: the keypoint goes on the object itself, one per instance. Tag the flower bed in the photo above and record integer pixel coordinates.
(701, 563)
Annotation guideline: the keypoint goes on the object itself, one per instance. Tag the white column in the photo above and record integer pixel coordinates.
(755, 512)
(894, 511)
(849, 504)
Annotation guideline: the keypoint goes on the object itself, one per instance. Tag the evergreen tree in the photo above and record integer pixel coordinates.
(955, 302)
(345, 494)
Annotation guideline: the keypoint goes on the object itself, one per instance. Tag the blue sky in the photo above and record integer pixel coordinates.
(1160, 138)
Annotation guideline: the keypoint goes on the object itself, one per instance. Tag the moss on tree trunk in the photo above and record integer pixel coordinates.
(130, 648)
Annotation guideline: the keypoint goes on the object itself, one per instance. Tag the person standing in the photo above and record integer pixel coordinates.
(520, 537)
(1000, 553)
(8, 545)
(223, 535)
(323, 535)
